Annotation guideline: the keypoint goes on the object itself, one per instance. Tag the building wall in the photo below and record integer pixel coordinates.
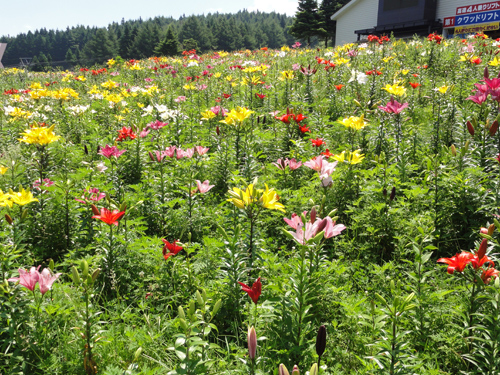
(362, 15)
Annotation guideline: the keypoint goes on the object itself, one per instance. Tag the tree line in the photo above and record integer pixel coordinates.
(166, 36)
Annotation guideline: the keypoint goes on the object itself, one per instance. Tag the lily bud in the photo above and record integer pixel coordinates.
(470, 128)
(264, 121)
(151, 156)
(494, 128)
(321, 341)
(384, 192)
(393, 194)
(314, 369)
(453, 150)
(491, 229)
(217, 131)
(95, 210)
(282, 370)
(9, 219)
(85, 149)
(482, 249)
(252, 343)
(313, 215)
(486, 73)
(295, 370)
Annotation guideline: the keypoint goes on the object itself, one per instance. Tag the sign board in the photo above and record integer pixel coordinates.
(472, 19)
(478, 8)
(477, 28)
(2, 50)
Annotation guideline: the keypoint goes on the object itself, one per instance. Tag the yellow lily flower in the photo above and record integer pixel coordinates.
(236, 116)
(443, 89)
(207, 115)
(269, 199)
(5, 199)
(109, 84)
(3, 169)
(355, 157)
(287, 74)
(354, 122)
(494, 62)
(339, 157)
(22, 197)
(395, 89)
(39, 136)
(243, 199)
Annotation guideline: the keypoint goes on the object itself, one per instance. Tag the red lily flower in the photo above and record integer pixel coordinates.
(327, 153)
(317, 142)
(338, 87)
(285, 118)
(305, 129)
(253, 292)
(415, 84)
(260, 96)
(488, 274)
(171, 247)
(458, 262)
(298, 118)
(125, 133)
(109, 217)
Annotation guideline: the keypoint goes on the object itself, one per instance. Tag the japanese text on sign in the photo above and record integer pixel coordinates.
(477, 28)
(468, 9)
(477, 18)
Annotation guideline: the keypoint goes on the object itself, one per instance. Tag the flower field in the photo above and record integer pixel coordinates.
(242, 213)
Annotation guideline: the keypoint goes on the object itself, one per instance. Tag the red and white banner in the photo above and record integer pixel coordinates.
(484, 7)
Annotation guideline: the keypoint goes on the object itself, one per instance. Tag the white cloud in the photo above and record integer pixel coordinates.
(280, 6)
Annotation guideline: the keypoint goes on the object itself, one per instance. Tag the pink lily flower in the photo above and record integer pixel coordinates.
(200, 150)
(189, 153)
(295, 220)
(156, 125)
(203, 187)
(294, 164)
(393, 106)
(327, 169)
(158, 156)
(144, 133)
(281, 163)
(169, 151)
(315, 163)
(332, 229)
(27, 279)
(108, 151)
(479, 97)
(179, 153)
(46, 280)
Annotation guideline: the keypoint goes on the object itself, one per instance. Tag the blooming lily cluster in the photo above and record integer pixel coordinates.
(307, 230)
(477, 261)
(45, 279)
(255, 197)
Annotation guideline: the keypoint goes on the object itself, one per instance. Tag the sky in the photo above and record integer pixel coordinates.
(21, 16)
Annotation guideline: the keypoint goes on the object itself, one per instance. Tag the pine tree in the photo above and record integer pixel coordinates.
(190, 44)
(307, 22)
(168, 46)
(327, 25)
(70, 57)
(99, 48)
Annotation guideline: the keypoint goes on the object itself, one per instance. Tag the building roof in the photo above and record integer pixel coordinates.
(350, 4)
